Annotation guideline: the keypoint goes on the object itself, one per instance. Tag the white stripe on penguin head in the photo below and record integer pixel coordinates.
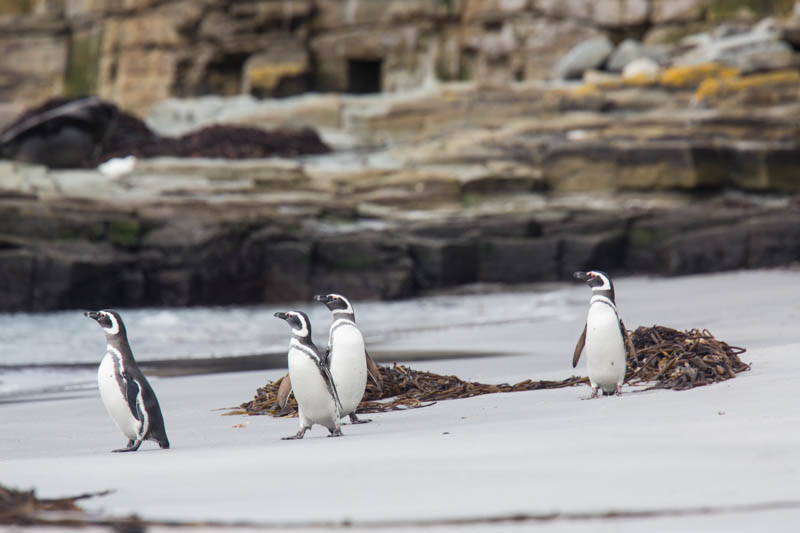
(303, 331)
(114, 328)
(349, 308)
(606, 286)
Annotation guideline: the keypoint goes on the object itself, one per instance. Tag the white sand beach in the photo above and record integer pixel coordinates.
(730, 449)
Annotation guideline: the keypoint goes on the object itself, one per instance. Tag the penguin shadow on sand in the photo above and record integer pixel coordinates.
(126, 394)
(327, 386)
(604, 339)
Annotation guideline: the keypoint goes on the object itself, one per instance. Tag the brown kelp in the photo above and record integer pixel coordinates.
(666, 358)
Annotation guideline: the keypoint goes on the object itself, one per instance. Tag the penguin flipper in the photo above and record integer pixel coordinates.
(284, 391)
(629, 348)
(326, 375)
(374, 372)
(131, 393)
(579, 348)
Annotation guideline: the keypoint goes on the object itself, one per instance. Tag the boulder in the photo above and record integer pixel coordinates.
(598, 251)
(274, 269)
(364, 266)
(707, 250)
(590, 54)
(580, 166)
(620, 14)
(756, 50)
(443, 263)
(676, 11)
(631, 49)
(516, 260)
(642, 70)
(571, 9)
(545, 40)
(773, 240)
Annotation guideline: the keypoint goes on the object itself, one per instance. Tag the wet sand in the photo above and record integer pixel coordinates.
(717, 458)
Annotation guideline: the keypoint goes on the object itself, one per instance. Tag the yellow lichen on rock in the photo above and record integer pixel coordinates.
(267, 76)
(712, 87)
(691, 76)
(587, 89)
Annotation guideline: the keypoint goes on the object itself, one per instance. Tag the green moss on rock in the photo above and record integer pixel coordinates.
(83, 63)
(728, 9)
(125, 232)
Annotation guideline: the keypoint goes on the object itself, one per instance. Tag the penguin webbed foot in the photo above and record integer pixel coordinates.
(297, 436)
(335, 432)
(618, 391)
(355, 420)
(132, 446)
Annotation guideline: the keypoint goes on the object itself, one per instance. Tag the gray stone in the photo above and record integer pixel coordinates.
(676, 11)
(773, 240)
(515, 260)
(757, 50)
(364, 266)
(620, 14)
(590, 54)
(443, 263)
(599, 251)
(707, 250)
(631, 49)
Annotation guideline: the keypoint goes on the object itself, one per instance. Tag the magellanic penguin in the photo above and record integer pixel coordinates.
(127, 395)
(314, 388)
(604, 337)
(346, 357)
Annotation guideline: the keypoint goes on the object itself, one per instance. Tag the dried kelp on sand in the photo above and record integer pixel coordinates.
(23, 508)
(666, 358)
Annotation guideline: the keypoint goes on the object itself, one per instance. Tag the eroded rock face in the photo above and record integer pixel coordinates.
(139, 53)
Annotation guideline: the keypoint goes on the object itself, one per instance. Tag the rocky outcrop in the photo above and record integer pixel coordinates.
(205, 232)
(137, 53)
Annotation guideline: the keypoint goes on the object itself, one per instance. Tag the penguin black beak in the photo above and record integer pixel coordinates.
(280, 315)
(92, 314)
(583, 276)
(324, 298)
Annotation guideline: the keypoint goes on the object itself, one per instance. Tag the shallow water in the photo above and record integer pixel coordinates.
(31, 344)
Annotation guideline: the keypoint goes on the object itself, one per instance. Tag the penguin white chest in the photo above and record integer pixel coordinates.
(314, 402)
(605, 347)
(113, 398)
(348, 364)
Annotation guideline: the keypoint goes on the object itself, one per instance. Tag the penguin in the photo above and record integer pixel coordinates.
(346, 357)
(314, 388)
(604, 337)
(127, 395)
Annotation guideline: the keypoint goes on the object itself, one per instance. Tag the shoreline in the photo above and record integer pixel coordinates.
(728, 446)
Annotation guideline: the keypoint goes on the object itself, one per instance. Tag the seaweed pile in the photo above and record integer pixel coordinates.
(95, 131)
(403, 388)
(681, 360)
(666, 357)
(24, 508)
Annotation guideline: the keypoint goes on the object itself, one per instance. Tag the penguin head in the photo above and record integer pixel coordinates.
(299, 322)
(335, 302)
(598, 281)
(110, 321)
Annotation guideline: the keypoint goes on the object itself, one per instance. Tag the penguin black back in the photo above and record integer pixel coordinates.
(122, 383)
